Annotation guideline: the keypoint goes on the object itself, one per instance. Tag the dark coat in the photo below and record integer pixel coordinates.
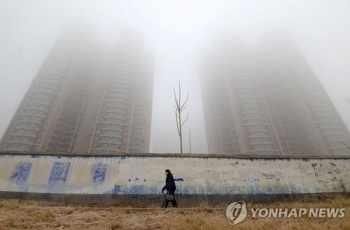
(169, 183)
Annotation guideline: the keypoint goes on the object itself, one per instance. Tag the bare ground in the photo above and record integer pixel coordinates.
(30, 215)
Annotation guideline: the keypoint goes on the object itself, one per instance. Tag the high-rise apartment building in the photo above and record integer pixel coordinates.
(87, 98)
(253, 104)
(309, 122)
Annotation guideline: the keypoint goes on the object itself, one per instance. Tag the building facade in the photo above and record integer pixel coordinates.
(87, 98)
(298, 102)
(253, 104)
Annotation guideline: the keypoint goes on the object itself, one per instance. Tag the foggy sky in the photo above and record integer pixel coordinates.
(176, 31)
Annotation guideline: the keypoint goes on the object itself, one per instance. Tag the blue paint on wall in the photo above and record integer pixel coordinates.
(179, 179)
(138, 189)
(213, 190)
(127, 190)
(251, 179)
(59, 172)
(99, 172)
(185, 191)
(35, 156)
(22, 171)
(117, 189)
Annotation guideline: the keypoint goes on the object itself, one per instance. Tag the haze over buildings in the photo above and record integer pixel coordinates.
(267, 101)
(177, 31)
(87, 97)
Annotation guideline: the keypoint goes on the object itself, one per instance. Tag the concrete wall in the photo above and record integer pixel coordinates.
(195, 176)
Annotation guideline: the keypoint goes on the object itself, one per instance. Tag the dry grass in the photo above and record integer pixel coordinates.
(14, 215)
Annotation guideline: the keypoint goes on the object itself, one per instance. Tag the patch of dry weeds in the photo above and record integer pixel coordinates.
(26, 215)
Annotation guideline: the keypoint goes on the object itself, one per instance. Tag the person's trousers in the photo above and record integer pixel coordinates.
(166, 202)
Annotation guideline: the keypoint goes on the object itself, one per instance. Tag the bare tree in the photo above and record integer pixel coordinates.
(178, 110)
(189, 141)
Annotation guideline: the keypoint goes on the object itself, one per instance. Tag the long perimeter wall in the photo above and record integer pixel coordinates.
(141, 178)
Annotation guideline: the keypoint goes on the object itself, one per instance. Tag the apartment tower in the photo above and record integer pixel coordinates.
(253, 104)
(300, 106)
(87, 98)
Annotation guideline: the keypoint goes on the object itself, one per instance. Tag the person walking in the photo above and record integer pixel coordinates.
(170, 186)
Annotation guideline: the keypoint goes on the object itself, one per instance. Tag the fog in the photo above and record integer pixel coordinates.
(177, 32)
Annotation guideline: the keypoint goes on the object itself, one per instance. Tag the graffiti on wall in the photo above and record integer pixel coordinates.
(59, 172)
(21, 172)
(98, 172)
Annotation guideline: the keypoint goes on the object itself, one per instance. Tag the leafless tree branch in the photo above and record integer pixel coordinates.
(178, 110)
(185, 120)
(185, 101)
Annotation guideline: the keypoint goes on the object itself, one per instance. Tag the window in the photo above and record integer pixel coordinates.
(23, 146)
(14, 146)
(259, 147)
(264, 139)
(256, 140)
(255, 134)
(29, 132)
(38, 113)
(25, 139)
(36, 119)
(16, 138)
(19, 131)
(25, 118)
(263, 133)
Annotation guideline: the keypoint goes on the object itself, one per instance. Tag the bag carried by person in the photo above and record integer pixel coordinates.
(169, 197)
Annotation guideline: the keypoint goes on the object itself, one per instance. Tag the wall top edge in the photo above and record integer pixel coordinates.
(183, 155)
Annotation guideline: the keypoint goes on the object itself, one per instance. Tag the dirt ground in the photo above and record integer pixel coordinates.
(31, 215)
